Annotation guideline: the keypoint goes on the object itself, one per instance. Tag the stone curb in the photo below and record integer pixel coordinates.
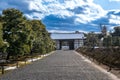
(114, 77)
(29, 60)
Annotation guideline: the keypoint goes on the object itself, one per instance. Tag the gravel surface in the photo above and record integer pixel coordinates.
(61, 65)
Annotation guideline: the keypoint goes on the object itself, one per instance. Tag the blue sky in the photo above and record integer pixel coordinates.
(69, 15)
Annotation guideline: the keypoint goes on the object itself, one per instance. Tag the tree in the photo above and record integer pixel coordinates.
(116, 41)
(92, 40)
(116, 31)
(1, 36)
(104, 30)
(42, 41)
(16, 31)
(37, 36)
(3, 44)
(24, 36)
(116, 36)
(107, 41)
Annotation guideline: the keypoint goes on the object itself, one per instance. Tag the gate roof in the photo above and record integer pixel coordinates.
(58, 36)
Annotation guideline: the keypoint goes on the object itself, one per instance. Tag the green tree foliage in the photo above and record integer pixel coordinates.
(1, 35)
(37, 38)
(49, 44)
(107, 41)
(23, 36)
(16, 32)
(116, 41)
(91, 40)
(42, 42)
(3, 44)
(116, 31)
(116, 36)
(113, 39)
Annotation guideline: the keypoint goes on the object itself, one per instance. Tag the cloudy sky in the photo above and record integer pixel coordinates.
(69, 15)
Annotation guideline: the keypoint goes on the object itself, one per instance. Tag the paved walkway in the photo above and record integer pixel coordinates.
(62, 65)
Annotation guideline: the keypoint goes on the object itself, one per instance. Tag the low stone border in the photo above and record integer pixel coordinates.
(114, 77)
(7, 68)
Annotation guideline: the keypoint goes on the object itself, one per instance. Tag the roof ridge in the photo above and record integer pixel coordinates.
(67, 33)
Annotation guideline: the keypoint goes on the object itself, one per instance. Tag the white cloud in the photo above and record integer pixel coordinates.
(54, 7)
(71, 4)
(74, 12)
(114, 0)
(114, 19)
(35, 16)
(78, 20)
(48, 7)
(36, 6)
(61, 31)
(112, 27)
(91, 13)
(28, 16)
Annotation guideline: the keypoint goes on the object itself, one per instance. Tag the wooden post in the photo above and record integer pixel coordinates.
(110, 68)
(25, 61)
(2, 69)
(17, 65)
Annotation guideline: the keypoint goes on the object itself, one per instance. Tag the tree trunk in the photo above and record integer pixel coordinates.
(8, 56)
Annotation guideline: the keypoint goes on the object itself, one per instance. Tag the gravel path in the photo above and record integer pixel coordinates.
(61, 65)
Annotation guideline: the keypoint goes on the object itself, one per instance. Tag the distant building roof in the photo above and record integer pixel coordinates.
(67, 36)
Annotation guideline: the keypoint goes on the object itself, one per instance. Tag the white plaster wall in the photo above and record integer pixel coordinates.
(57, 44)
(78, 43)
